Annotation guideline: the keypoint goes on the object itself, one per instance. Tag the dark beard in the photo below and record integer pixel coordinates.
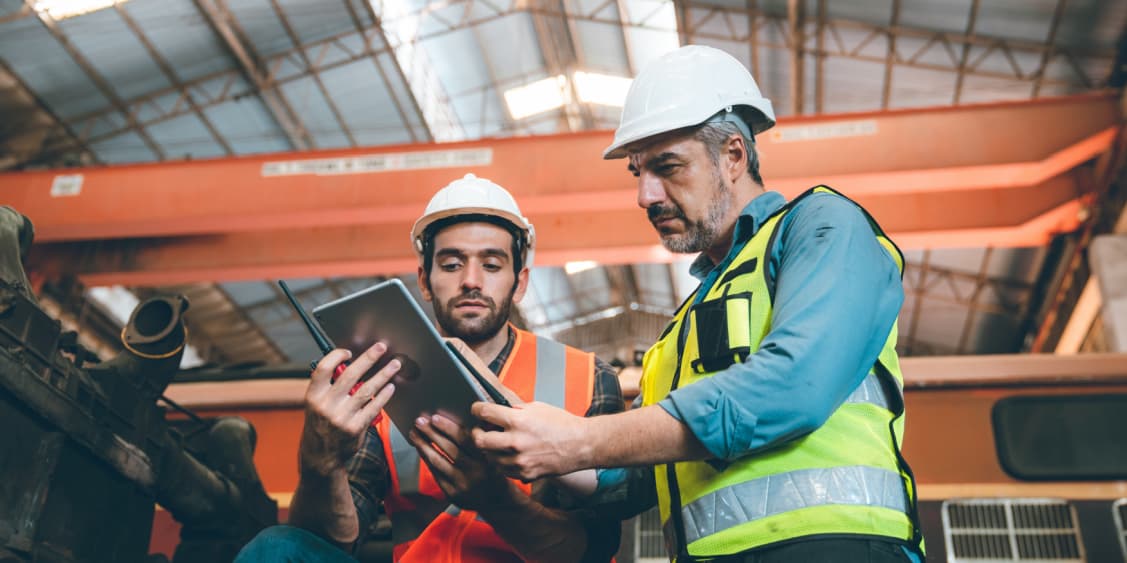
(476, 330)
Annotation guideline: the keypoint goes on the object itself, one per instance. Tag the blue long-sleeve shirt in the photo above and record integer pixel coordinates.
(837, 292)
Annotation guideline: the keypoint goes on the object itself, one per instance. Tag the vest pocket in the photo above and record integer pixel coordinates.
(723, 332)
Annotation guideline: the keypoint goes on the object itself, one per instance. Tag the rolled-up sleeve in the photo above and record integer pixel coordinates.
(837, 294)
(369, 479)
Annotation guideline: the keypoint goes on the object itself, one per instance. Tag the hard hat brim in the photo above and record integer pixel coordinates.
(617, 149)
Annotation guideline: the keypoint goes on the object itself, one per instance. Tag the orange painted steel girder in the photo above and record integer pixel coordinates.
(995, 174)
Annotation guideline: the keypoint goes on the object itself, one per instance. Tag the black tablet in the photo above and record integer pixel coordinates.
(434, 379)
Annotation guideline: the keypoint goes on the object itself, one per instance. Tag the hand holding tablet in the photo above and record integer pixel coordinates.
(434, 378)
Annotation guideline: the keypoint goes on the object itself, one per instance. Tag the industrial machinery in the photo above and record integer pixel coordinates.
(86, 450)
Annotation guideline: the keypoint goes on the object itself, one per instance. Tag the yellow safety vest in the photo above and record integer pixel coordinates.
(846, 477)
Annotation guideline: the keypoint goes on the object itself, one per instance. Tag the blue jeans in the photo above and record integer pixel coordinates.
(287, 544)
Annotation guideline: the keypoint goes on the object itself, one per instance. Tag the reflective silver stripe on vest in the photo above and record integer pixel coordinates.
(551, 382)
(858, 485)
(870, 391)
(406, 462)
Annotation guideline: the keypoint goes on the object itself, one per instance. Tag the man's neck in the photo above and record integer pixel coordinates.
(487, 350)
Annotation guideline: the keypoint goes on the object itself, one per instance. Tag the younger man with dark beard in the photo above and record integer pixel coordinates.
(446, 503)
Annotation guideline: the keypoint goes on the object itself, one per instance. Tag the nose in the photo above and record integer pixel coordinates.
(471, 277)
(650, 190)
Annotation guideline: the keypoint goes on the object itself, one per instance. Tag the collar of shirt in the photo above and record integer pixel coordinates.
(503, 356)
(750, 220)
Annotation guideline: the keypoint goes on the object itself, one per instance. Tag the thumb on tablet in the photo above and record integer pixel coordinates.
(484, 370)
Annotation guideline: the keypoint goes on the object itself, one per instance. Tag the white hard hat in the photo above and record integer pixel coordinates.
(471, 195)
(686, 87)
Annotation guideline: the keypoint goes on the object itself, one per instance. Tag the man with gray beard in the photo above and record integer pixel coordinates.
(770, 421)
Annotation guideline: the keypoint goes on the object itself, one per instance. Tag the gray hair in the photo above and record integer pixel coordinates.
(714, 135)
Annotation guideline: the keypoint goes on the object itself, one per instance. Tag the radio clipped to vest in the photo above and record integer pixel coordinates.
(723, 331)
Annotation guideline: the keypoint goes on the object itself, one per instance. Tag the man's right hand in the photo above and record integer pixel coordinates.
(335, 419)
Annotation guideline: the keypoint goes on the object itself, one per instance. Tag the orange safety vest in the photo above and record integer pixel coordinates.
(425, 527)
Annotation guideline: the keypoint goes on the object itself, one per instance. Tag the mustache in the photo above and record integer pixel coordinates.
(473, 295)
(658, 211)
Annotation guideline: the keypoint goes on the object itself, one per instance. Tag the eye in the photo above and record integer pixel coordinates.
(450, 265)
(667, 169)
(492, 267)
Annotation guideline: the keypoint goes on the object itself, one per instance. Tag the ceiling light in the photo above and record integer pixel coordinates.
(580, 266)
(62, 9)
(537, 97)
(602, 89)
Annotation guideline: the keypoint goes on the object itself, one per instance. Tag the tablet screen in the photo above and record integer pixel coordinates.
(431, 381)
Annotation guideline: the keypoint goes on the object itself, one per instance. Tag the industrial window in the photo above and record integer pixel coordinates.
(1062, 437)
(997, 530)
(649, 542)
(1119, 514)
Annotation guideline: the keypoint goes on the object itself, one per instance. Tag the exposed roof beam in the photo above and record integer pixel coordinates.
(753, 37)
(285, 21)
(578, 62)
(939, 286)
(796, 19)
(95, 77)
(441, 29)
(223, 23)
(171, 76)
(494, 86)
(623, 284)
(561, 57)
(24, 11)
(890, 60)
(942, 40)
(35, 114)
(377, 32)
(228, 90)
(674, 298)
(400, 27)
(573, 296)
(961, 70)
(684, 21)
(627, 47)
(1050, 43)
(979, 284)
(377, 26)
(917, 307)
(820, 60)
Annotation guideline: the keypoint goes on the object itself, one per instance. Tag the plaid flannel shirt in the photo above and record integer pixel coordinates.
(370, 477)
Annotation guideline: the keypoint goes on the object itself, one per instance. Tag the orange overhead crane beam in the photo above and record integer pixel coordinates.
(994, 174)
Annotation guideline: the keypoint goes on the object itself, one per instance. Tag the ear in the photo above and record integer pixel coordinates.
(737, 155)
(522, 285)
(424, 284)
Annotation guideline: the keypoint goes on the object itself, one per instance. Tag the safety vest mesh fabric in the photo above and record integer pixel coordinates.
(843, 478)
(425, 527)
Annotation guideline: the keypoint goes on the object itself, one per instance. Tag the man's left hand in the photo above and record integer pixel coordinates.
(534, 441)
(461, 471)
